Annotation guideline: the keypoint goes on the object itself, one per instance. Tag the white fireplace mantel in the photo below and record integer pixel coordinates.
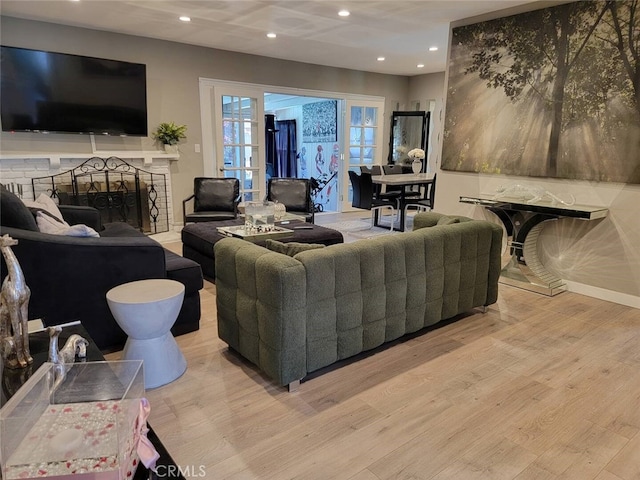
(54, 158)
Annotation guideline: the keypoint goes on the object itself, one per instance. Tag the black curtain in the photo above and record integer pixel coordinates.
(286, 164)
(270, 145)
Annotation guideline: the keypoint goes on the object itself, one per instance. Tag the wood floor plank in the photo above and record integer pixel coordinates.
(626, 463)
(365, 475)
(537, 388)
(589, 449)
(492, 459)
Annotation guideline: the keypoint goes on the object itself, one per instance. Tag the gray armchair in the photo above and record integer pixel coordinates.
(214, 199)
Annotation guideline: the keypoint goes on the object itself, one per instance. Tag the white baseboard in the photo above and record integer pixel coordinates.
(604, 294)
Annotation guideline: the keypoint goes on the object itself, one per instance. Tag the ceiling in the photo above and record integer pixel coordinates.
(307, 30)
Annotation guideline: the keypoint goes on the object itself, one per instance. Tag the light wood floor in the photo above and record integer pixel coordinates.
(536, 388)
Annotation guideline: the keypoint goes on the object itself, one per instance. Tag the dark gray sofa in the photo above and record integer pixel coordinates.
(293, 315)
(70, 276)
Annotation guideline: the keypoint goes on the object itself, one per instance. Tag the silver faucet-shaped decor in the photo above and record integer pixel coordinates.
(14, 306)
(75, 345)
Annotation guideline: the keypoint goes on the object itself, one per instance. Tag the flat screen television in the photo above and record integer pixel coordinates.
(63, 93)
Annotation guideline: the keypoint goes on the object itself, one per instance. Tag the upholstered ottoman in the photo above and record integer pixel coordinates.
(198, 239)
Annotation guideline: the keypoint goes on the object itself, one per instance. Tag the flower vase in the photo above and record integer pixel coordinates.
(416, 166)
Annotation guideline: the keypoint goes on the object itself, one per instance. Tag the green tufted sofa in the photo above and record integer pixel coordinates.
(293, 315)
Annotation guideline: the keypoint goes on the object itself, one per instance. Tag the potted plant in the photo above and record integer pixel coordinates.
(170, 134)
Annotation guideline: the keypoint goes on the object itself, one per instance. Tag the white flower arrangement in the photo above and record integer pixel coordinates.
(416, 154)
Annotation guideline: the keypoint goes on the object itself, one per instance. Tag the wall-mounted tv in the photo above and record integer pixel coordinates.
(62, 93)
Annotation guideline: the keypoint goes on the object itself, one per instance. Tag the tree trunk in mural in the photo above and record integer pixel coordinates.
(560, 38)
(626, 41)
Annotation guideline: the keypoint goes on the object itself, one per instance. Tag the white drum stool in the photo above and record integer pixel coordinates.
(146, 310)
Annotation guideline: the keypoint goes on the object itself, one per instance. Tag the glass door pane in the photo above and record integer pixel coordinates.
(364, 145)
(240, 143)
(241, 118)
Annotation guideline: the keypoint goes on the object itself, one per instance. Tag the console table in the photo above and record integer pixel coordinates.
(523, 223)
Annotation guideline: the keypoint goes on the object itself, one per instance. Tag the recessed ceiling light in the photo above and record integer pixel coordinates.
(271, 35)
(433, 49)
(381, 59)
(184, 18)
(344, 13)
(420, 65)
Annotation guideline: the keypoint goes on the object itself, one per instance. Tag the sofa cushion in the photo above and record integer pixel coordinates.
(120, 229)
(291, 248)
(446, 220)
(14, 213)
(184, 271)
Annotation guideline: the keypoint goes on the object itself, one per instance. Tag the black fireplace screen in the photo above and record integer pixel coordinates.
(120, 191)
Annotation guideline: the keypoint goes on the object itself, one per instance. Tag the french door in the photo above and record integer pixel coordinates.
(233, 139)
(363, 131)
(236, 127)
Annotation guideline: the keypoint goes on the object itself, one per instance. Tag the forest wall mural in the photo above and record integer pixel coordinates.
(549, 93)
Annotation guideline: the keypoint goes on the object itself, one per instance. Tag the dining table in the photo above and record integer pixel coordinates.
(404, 180)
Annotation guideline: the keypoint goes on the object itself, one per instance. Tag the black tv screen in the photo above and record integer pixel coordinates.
(62, 93)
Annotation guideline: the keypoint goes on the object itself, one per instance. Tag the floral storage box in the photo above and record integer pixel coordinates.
(85, 424)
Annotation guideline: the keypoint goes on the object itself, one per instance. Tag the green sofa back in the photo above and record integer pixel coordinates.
(291, 316)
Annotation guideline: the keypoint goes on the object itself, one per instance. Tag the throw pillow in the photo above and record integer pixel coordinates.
(49, 224)
(291, 248)
(45, 202)
(14, 213)
(447, 220)
(36, 210)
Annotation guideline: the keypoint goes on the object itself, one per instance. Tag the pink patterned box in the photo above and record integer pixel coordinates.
(86, 426)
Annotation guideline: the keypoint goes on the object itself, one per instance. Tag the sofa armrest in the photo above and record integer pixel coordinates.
(261, 306)
(88, 216)
(70, 276)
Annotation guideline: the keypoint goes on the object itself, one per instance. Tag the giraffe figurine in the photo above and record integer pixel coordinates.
(14, 305)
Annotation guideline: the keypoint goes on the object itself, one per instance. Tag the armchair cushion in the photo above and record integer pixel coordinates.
(294, 193)
(216, 194)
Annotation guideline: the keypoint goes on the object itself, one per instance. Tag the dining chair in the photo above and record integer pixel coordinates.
(425, 204)
(214, 199)
(398, 170)
(377, 188)
(364, 197)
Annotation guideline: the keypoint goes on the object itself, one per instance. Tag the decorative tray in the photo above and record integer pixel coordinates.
(253, 234)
